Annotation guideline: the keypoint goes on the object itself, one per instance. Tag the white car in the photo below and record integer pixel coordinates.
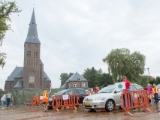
(107, 98)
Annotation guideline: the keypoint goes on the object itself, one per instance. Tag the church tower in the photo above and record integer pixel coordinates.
(32, 74)
(33, 68)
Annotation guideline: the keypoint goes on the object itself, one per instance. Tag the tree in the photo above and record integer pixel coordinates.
(106, 79)
(64, 77)
(157, 80)
(122, 62)
(6, 9)
(97, 77)
(90, 75)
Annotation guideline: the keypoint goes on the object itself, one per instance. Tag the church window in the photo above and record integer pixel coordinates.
(36, 54)
(28, 53)
(31, 79)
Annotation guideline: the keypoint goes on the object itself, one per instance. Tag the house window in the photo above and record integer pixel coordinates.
(31, 79)
(78, 79)
(75, 85)
(28, 53)
(83, 84)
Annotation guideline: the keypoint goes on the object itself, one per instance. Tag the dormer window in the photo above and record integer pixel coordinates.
(28, 53)
(78, 79)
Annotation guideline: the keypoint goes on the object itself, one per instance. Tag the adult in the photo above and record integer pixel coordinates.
(150, 93)
(3, 101)
(45, 99)
(127, 87)
(155, 93)
(8, 98)
(127, 84)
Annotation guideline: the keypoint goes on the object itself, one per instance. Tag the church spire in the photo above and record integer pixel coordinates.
(32, 36)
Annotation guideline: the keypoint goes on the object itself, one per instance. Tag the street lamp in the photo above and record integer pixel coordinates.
(148, 71)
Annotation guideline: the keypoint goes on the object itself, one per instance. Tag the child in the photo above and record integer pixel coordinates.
(3, 101)
(12, 101)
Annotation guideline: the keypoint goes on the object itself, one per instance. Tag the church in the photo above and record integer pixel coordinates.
(32, 74)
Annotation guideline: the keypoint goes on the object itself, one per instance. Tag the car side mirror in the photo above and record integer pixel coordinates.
(117, 91)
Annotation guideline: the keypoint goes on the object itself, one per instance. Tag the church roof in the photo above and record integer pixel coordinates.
(46, 76)
(76, 77)
(16, 72)
(41, 63)
(18, 84)
(32, 36)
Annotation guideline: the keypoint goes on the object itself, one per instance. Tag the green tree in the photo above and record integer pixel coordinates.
(122, 62)
(90, 75)
(157, 80)
(143, 81)
(106, 79)
(97, 77)
(64, 77)
(6, 9)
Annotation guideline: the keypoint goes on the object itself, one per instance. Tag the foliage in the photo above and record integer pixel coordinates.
(64, 77)
(97, 77)
(122, 62)
(6, 9)
(157, 80)
(143, 81)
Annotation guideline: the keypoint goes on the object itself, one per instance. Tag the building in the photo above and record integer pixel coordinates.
(31, 75)
(75, 81)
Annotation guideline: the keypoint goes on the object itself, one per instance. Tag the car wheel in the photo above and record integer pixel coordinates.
(109, 105)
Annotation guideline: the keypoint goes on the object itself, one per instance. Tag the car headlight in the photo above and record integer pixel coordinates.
(99, 99)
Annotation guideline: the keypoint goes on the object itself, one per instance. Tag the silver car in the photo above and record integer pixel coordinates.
(107, 98)
(158, 90)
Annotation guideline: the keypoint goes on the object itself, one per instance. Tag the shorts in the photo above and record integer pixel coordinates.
(156, 98)
(45, 102)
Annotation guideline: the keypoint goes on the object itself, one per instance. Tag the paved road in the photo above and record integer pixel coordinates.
(28, 113)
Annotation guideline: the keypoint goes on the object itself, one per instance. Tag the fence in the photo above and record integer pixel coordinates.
(59, 102)
(135, 99)
(24, 96)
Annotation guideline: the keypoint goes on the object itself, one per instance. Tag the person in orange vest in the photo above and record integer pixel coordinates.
(89, 93)
(45, 98)
(155, 93)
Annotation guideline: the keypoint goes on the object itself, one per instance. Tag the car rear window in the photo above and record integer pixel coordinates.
(138, 87)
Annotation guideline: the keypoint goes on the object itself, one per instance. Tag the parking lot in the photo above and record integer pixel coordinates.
(28, 113)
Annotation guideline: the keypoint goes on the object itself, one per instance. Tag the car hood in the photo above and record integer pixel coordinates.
(100, 95)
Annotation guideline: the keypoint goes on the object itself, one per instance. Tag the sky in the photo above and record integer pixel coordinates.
(78, 34)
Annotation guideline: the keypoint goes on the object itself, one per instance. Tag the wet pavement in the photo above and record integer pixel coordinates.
(28, 113)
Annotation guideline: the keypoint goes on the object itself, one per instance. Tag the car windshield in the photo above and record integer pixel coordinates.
(61, 92)
(108, 89)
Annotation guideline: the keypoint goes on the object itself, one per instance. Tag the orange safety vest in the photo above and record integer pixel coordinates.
(45, 98)
(155, 90)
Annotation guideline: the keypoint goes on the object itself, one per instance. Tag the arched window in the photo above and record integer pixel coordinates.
(31, 79)
(36, 51)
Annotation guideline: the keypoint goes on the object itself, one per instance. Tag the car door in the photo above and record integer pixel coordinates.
(116, 95)
(81, 94)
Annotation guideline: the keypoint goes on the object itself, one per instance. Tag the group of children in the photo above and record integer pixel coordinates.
(7, 100)
(153, 96)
